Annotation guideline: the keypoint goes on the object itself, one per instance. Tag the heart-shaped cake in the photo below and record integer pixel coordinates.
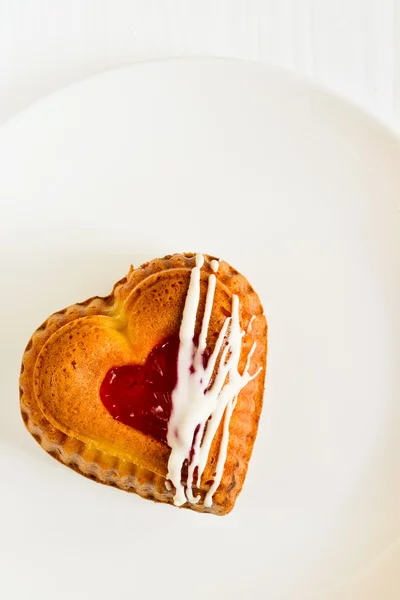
(156, 389)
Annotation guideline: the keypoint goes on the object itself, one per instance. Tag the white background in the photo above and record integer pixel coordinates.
(351, 46)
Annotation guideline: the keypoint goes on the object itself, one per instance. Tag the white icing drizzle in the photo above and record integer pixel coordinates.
(214, 264)
(203, 394)
(250, 325)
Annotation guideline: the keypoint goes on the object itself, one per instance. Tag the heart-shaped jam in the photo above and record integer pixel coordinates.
(140, 396)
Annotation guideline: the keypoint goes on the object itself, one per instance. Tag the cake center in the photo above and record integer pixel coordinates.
(140, 395)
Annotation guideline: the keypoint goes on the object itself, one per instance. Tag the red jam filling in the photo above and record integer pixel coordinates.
(140, 396)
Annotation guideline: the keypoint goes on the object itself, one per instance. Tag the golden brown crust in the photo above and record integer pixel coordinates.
(68, 356)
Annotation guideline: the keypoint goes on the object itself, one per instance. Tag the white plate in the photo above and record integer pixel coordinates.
(298, 190)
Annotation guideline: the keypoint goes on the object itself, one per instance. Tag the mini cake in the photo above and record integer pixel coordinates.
(156, 389)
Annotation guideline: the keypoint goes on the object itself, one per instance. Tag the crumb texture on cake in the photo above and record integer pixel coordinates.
(68, 356)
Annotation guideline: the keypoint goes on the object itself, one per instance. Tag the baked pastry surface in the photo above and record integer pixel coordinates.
(69, 356)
